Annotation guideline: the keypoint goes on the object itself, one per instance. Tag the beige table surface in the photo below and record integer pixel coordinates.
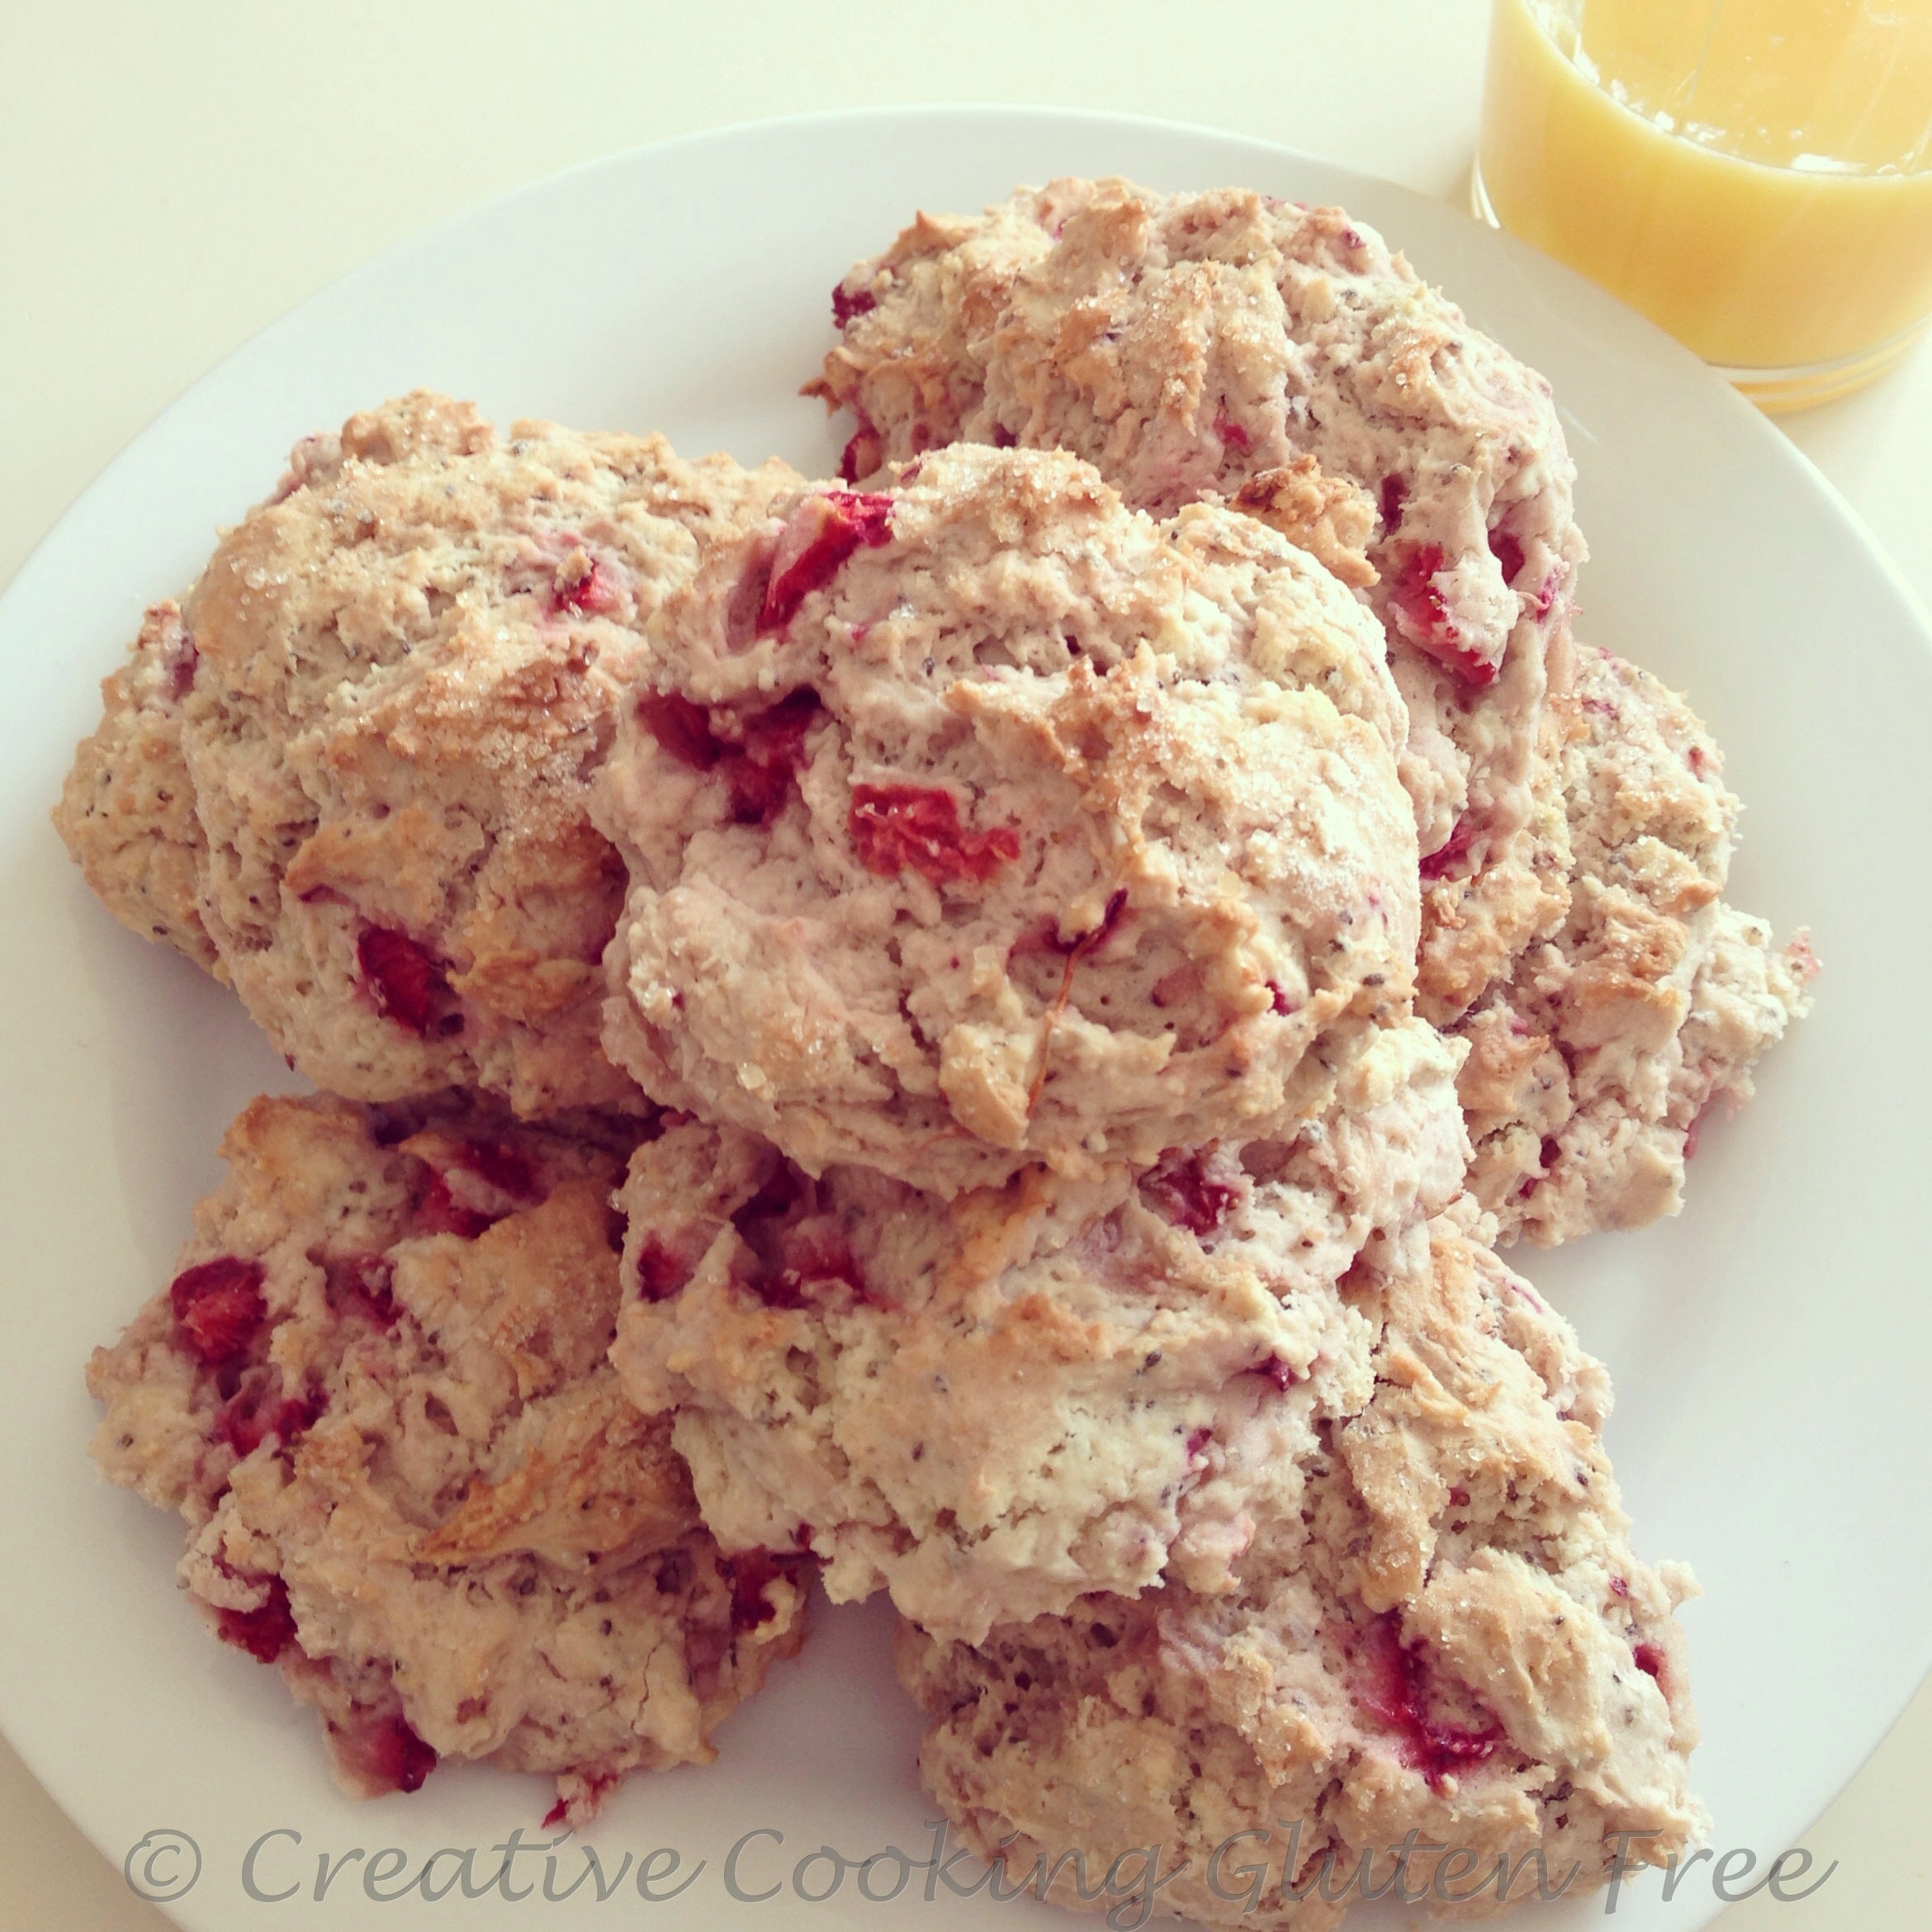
(172, 177)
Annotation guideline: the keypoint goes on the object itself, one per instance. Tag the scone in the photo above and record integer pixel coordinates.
(1228, 344)
(982, 821)
(349, 773)
(992, 1405)
(376, 1390)
(1439, 1643)
(1594, 1060)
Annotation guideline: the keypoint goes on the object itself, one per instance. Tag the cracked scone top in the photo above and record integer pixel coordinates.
(1229, 345)
(984, 820)
(1593, 1058)
(991, 1405)
(376, 1391)
(1440, 1635)
(348, 773)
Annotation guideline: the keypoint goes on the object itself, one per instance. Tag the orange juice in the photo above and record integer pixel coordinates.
(1755, 175)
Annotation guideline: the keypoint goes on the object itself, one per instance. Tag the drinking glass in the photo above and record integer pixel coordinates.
(1755, 175)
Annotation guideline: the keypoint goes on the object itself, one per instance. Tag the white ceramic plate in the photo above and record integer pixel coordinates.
(1767, 1346)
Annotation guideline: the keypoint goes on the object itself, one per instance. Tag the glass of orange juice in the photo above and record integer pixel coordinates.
(1755, 175)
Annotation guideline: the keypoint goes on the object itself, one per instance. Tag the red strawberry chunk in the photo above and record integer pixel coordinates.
(808, 1256)
(264, 1633)
(1422, 615)
(1284, 1375)
(1180, 1191)
(1396, 1695)
(848, 304)
(822, 532)
(384, 1753)
(892, 827)
(583, 583)
(360, 1286)
(1395, 496)
(255, 1414)
(402, 978)
(863, 453)
(1231, 433)
(1440, 862)
(1278, 1001)
(1508, 552)
(505, 1168)
(660, 1273)
(683, 728)
(439, 1212)
(1197, 1442)
(1649, 1659)
(751, 1573)
(182, 662)
(762, 771)
(218, 1307)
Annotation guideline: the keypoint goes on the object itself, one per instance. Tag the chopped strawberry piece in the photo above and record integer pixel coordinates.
(762, 772)
(1422, 615)
(1231, 433)
(555, 1815)
(1395, 496)
(585, 585)
(1618, 1586)
(892, 827)
(505, 1168)
(1396, 1695)
(1284, 1375)
(1197, 1442)
(846, 305)
(683, 728)
(1508, 552)
(264, 1633)
(218, 1307)
(182, 662)
(1459, 1498)
(822, 532)
(1003, 438)
(248, 1421)
(751, 1573)
(1278, 1001)
(439, 1212)
(1180, 1191)
(1649, 1659)
(1440, 862)
(863, 453)
(660, 1273)
(384, 1753)
(1549, 1153)
(402, 978)
(807, 1257)
(360, 1286)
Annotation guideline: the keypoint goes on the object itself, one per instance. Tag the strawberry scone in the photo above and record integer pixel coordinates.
(1230, 345)
(1439, 1654)
(982, 821)
(1594, 1060)
(991, 1405)
(376, 1390)
(349, 772)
